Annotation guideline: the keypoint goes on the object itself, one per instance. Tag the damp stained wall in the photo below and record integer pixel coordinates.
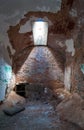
(5, 71)
(10, 14)
(40, 67)
(12, 11)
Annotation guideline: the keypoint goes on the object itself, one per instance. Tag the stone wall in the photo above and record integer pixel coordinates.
(42, 64)
(77, 73)
(40, 67)
(5, 71)
(63, 40)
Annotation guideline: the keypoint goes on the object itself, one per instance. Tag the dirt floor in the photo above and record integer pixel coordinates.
(38, 115)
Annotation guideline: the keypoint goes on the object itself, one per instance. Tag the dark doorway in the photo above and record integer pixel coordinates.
(20, 89)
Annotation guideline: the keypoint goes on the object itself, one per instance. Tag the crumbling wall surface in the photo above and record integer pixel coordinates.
(78, 65)
(63, 40)
(22, 40)
(72, 109)
(78, 59)
(40, 67)
(73, 78)
(5, 71)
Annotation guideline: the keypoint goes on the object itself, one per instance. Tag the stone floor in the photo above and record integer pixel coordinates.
(37, 115)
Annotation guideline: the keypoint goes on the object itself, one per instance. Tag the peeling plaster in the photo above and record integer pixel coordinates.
(3, 33)
(32, 5)
(70, 46)
(12, 11)
(60, 43)
(73, 13)
(78, 11)
(5, 76)
(43, 8)
(49, 22)
(82, 68)
(27, 27)
(67, 78)
(4, 53)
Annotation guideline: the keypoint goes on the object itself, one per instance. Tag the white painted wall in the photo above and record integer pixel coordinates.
(67, 78)
(67, 74)
(70, 46)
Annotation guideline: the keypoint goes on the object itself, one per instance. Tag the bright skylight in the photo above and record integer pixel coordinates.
(40, 31)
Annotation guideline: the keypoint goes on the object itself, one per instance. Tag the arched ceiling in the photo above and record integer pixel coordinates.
(62, 13)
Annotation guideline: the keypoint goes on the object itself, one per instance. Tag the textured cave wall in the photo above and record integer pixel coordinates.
(5, 71)
(74, 62)
(78, 61)
(61, 26)
(21, 39)
(10, 14)
(63, 39)
(40, 67)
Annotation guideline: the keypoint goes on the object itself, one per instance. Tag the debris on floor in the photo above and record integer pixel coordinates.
(35, 114)
(12, 110)
(71, 109)
(14, 99)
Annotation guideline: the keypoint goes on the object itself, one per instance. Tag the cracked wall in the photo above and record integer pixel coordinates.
(66, 27)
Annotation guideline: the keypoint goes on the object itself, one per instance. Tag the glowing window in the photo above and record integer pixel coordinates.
(40, 32)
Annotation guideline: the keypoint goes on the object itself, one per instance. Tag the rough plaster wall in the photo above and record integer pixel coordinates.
(5, 76)
(41, 67)
(70, 52)
(78, 37)
(70, 46)
(3, 32)
(67, 78)
(5, 71)
(8, 17)
(33, 5)
(27, 27)
(12, 11)
(82, 68)
(77, 11)
(4, 53)
(57, 43)
(74, 50)
(77, 75)
(67, 74)
(23, 41)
